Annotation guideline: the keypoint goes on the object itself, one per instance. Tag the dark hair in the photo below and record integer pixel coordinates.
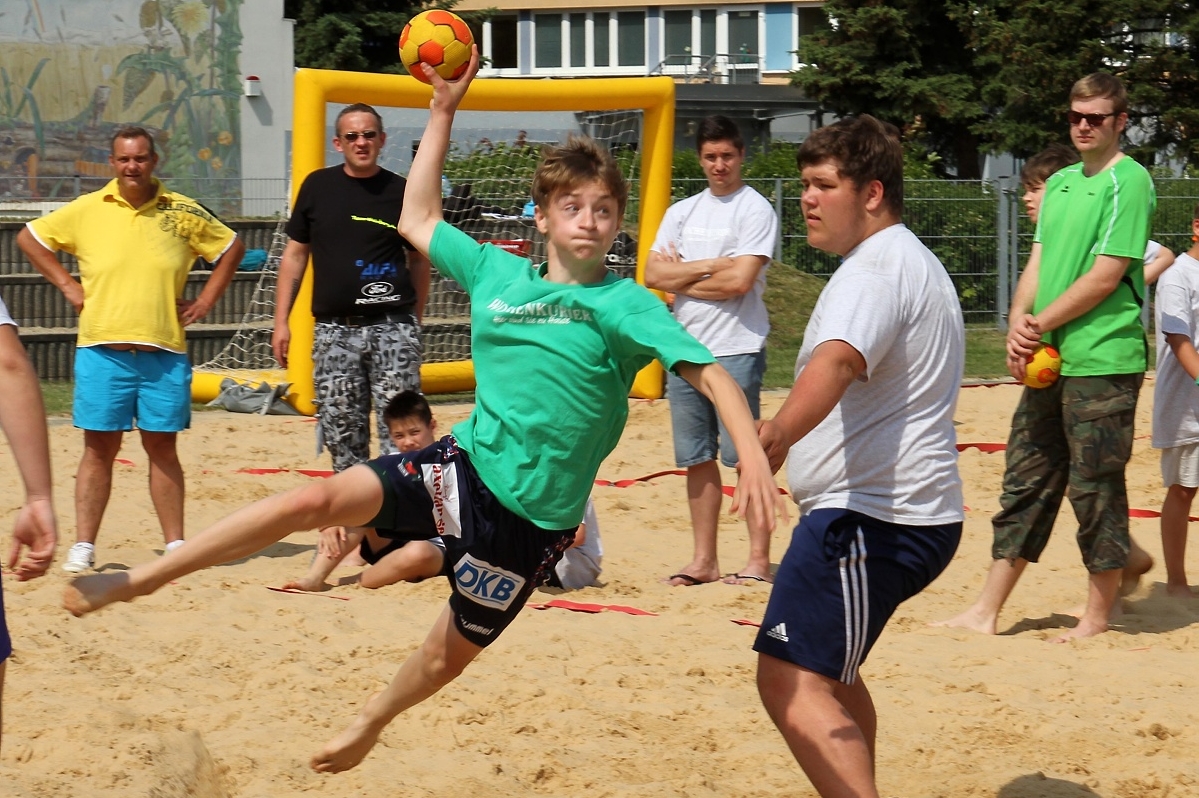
(132, 132)
(407, 404)
(718, 128)
(357, 108)
(580, 160)
(864, 149)
(1104, 86)
(1039, 167)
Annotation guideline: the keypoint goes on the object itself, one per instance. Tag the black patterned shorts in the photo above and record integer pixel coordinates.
(353, 368)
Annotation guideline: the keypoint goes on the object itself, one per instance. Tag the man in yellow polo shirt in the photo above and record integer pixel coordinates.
(135, 242)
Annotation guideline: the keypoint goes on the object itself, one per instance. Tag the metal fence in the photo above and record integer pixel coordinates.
(228, 197)
(977, 228)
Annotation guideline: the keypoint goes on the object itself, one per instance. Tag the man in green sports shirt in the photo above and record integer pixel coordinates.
(1081, 292)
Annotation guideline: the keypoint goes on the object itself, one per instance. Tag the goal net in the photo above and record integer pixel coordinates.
(498, 133)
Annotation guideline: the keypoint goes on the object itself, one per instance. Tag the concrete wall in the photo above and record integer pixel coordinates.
(267, 52)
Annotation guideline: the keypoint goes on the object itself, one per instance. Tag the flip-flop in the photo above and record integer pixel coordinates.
(737, 577)
(688, 580)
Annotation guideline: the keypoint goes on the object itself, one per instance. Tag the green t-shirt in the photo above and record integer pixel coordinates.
(554, 364)
(1106, 214)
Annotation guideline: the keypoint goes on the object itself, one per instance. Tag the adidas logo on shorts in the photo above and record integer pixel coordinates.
(779, 633)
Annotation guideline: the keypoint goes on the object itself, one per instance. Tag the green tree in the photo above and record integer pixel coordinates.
(1027, 56)
(355, 35)
(906, 62)
(964, 77)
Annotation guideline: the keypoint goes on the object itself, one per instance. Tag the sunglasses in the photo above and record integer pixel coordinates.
(1094, 120)
(352, 136)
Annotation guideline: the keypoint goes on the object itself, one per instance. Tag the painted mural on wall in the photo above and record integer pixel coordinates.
(73, 71)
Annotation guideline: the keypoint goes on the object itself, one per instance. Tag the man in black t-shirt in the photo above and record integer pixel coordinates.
(368, 294)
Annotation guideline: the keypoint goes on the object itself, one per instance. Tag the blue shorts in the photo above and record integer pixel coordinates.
(842, 577)
(693, 417)
(5, 640)
(494, 558)
(114, 388)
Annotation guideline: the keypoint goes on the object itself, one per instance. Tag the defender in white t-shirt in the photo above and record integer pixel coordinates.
(1176, 407)
(712, 251)
(867, 431)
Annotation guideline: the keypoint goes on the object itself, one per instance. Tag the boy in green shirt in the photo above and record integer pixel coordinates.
(555, 352)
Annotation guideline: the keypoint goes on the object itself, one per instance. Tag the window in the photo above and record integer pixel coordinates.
(630, 41)
(743, 33)
(578, 40)
(678, 37)
(602, 39)
(810, 21)
(707, 31)
(503, 42)
(547, 35)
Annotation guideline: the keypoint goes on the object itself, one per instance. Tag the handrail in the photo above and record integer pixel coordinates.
(717, 68)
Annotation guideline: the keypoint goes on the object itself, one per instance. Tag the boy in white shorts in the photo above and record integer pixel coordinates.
(1176, 406)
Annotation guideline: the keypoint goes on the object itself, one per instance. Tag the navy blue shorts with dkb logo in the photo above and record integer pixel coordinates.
(494, 558)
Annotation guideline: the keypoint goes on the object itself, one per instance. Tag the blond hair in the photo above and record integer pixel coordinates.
(1103, 86)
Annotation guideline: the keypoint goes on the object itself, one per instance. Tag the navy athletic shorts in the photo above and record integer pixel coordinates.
(371, 556)
(495, 558)
(842, 577)
(5, 640)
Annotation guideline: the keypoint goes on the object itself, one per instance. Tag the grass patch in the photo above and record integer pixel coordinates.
(790, 297)
(57, 397)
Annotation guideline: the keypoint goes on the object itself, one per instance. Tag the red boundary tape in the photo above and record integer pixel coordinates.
(578, 606)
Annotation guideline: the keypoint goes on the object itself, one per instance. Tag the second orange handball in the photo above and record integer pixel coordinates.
(439, 38)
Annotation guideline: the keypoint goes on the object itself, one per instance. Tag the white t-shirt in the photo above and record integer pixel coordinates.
(706, 226)
(580, 565)
(5, 316)
(1175, 395)
(1151, 250)
(888, 449)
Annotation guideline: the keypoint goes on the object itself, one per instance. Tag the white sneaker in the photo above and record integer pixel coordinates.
(81, 557)
(174, 544)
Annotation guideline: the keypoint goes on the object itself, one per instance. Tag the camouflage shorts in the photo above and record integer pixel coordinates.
(1071, 439)
(353, 367)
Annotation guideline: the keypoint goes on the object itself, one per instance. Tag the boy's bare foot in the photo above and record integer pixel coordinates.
(90, 593)
(306, 584)
(1139, 563)
(347, 749)
(1180, 591)
(974, 619)
(1084, 629)
(1116, 612)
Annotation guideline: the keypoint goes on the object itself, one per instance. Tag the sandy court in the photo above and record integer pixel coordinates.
(217, 686)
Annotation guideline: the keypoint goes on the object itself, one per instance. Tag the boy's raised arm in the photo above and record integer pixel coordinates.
(422, 196)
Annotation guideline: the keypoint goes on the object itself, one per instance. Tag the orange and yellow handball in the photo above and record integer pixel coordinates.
(439, 38)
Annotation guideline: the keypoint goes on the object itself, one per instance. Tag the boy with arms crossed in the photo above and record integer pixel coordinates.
(507, 489)
(712, 251)
(867, 431)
